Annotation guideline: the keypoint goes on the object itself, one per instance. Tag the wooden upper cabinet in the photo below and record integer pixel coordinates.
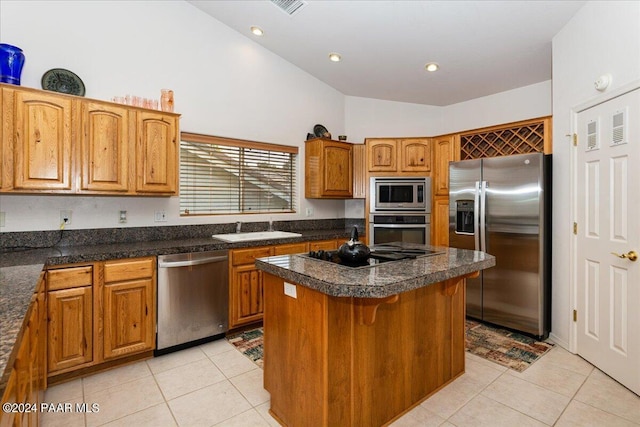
(63, 144)
(399, 155)
(382, 155)
(415, 155)
(328, 169)
(446, 149)
(42, 142)
(157, 153)
(105, 153)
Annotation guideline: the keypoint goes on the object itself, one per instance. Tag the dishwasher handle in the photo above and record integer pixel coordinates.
(172, 264)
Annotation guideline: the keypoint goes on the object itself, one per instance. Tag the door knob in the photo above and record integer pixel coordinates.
(631, 255)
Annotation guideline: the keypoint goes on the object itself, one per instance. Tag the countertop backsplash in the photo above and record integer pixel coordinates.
(61, 238)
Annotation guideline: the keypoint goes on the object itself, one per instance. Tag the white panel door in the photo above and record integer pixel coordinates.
(608, 214)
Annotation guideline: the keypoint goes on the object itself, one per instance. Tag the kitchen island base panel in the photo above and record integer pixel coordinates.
(328, 362)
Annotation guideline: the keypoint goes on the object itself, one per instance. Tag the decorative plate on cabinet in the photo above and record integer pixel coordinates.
(321, 131)
(63, 81)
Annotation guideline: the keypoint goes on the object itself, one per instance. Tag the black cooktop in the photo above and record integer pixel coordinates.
(379, 254)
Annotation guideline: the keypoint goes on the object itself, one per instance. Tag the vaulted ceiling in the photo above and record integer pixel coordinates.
(482, 47)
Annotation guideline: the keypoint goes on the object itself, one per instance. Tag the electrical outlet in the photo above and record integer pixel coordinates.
(65, 217)
(122, 217)
(2, 215)
(161, 216)
(309, 212)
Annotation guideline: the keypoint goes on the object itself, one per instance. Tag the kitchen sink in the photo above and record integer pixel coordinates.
(256, 235)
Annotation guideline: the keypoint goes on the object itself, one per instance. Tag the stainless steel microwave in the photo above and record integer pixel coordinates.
(400, 194)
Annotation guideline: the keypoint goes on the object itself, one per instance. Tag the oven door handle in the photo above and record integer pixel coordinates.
(188, 263)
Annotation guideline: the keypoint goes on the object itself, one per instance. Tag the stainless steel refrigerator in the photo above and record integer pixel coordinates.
(502, 206)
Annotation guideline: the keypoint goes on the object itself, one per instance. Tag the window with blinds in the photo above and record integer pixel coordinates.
(228, 176)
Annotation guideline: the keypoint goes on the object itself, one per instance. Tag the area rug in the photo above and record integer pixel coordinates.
(507, 348)
(249, 343)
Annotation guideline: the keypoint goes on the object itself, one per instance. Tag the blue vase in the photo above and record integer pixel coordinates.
(11, 62)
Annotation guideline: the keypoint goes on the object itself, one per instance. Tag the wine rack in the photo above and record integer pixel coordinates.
(516, 138)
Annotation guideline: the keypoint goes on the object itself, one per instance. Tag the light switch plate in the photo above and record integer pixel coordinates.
(290, 290)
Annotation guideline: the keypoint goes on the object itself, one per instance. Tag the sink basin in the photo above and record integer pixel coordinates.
(256, 235)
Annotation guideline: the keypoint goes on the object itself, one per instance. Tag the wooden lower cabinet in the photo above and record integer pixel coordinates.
(70, 328)
(128, 318)
(27, 380)
(129, 302)
(100, 312)
(246, 295)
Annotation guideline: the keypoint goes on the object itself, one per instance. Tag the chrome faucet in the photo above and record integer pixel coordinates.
(238, 227)
(270, 225)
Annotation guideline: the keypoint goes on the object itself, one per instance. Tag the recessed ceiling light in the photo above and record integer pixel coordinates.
(257, 31)
(432, 66)
(335, 57)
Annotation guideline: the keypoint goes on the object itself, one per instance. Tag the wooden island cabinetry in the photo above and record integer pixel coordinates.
(99, 312)
(328, 169)
(398, 155)
(62, 144)
(361, 347)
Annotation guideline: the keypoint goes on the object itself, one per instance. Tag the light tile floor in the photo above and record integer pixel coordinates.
(215, 385)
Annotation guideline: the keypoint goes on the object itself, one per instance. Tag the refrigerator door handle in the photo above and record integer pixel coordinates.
(483, 214)
(476, 217)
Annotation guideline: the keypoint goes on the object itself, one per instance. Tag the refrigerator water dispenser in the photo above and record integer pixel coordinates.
(464, 217)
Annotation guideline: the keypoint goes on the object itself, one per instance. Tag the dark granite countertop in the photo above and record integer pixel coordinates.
(377, 281)
(19, 272)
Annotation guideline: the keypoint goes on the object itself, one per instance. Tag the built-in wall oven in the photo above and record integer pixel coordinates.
(400, 210)
(399, 227)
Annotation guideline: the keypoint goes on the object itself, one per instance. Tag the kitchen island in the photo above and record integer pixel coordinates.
(362, 346)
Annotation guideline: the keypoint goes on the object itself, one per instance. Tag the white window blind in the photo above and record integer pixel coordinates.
(226, 176)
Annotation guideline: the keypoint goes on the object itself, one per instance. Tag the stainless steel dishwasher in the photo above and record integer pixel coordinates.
(193, 299)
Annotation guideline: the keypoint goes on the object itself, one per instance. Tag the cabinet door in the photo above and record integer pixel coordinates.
(157, 153)
(128, 318)
(440, 221)
(42, 143)
(70, 328)
(247, 301)
(338, 170)
(443, 153)
(415, 155)
(382, 155)
(105, 146)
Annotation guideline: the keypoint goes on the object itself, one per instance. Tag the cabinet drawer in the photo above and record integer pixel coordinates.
(116, 271)
(248, 256)
(72, 277)
(293, 248)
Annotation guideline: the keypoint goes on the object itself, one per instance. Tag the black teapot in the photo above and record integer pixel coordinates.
(354, 251)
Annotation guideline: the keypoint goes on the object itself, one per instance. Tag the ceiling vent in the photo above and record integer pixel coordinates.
(290, 7)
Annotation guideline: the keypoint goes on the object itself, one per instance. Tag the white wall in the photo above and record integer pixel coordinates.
(603, 37)
(523, 103)
(224, 84)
